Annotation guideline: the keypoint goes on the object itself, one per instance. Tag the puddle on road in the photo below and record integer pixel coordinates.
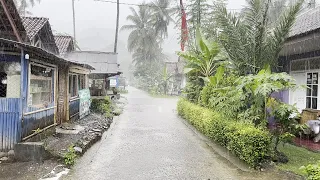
(56, 173)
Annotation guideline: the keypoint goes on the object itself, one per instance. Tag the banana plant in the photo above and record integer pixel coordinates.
(205, 59)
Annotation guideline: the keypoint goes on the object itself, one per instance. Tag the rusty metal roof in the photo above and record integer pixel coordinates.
(64, 42)
(33, 25)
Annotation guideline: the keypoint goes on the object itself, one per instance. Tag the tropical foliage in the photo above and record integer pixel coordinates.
(204, 59)
(233, 73)
(249, 40)
(22, 6)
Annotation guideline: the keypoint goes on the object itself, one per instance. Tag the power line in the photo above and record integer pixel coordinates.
(146, 5)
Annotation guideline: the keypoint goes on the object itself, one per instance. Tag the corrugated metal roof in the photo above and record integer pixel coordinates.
(33, 25)
(306, 22)
(103, 62)
(43, 53)
(63, 42)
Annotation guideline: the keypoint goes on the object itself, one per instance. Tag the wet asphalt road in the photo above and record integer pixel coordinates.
(149, 141)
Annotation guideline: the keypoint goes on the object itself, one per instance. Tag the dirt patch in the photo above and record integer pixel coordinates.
(26, 170)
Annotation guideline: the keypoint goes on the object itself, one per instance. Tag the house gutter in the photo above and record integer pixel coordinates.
(13, 25)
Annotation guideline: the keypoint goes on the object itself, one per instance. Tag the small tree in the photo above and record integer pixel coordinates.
(285, 116)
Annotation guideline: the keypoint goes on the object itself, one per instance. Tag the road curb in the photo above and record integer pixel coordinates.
(219, 150)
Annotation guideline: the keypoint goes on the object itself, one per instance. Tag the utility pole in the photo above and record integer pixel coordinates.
(117, 29)
(74, 24)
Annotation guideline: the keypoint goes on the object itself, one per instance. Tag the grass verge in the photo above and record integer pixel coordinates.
(298, 157)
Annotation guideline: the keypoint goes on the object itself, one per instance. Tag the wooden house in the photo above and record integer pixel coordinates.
(106, 70)
(34, 81)
(177, 79)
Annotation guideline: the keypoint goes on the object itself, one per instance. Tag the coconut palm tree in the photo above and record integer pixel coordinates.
(162, 16)
(249, 40)
(142, 34)
(22, 6)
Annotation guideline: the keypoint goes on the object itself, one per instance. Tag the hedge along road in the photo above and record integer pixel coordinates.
(149, 141)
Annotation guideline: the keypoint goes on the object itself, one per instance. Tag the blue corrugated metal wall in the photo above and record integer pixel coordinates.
(9, 122)
(38, 120)
(74, 109)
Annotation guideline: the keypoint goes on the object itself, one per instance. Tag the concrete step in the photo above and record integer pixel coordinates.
(31, 151)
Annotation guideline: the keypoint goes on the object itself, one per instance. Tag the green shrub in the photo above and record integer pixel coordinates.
(246, 141)
(312, 171)
(193, 88)
(70, 156)
(103, 106)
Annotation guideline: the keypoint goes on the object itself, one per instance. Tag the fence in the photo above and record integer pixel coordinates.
(10, 102)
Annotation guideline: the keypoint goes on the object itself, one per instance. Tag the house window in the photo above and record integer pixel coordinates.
(3, 84)
(82, 81)
(76, 82)
(73, 85)
(312, 90)
(41, 86)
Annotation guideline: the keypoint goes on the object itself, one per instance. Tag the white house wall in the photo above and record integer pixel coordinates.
(298, 97)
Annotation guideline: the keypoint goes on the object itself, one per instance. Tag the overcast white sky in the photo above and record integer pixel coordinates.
(95, 21)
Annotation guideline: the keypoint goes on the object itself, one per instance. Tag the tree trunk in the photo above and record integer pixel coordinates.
(117, 29)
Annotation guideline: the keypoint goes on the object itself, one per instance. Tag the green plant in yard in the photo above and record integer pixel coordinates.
(249, 143)
(221, 95)
(298, 156)
(285, 116)
(244, 97)
(312, 171)
(250, 39)
(258, 90)
(70, 156)
(193, 87)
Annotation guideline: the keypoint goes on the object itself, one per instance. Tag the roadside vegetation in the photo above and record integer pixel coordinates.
(233, 74)
(70, 157)
(123, 91)
(233, 77)
(103, 106)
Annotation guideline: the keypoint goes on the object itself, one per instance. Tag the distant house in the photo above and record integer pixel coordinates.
(300, 57)
(39, 33)
(106, 70)
(34, 81)
(64, 44)
(177, 80)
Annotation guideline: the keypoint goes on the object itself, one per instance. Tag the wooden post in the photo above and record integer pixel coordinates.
(117, 29)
